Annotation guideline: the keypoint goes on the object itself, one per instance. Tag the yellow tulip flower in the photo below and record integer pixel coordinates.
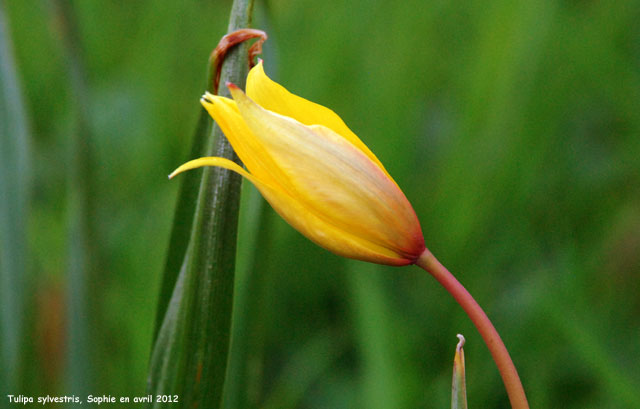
(315, 172)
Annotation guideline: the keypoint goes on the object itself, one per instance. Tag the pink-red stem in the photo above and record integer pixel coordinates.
(488, 332)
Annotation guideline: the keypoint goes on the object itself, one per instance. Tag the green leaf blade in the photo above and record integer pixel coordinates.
(189, 357)
(14, 191)
(458, 386)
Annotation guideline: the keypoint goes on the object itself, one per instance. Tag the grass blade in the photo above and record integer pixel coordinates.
(14, 191)
(81, 251)
(382, 380)
(458, 385)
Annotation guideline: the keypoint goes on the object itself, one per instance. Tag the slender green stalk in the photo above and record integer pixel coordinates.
(488, 332)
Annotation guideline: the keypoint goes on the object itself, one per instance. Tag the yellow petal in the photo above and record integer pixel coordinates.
(311, 226)
(333, 180)
(274, 97)
(327, 235)
(225, 112)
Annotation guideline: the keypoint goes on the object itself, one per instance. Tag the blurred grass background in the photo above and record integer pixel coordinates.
(512, 126)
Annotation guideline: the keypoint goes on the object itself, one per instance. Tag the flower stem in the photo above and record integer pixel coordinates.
(507, 370)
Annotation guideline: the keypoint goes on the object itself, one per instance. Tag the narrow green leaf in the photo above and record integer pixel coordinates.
(14, 190)
(183, 218)
(253, 229)
(189, 358)
(165, 365)
(458, 386)
(381, 376)
(81, 251)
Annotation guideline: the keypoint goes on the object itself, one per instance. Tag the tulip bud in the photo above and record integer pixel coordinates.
(315, 172)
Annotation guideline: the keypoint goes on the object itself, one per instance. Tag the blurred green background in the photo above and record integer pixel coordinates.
(512, 126)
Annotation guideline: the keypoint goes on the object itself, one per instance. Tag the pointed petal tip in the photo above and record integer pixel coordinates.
(207, 97)
(182, 168)
(231, 85)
